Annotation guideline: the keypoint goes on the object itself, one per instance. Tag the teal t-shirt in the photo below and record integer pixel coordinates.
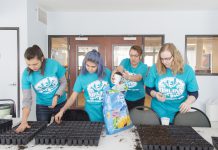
(93, 88)
(174, 87)
(136, 90)
(45, 86)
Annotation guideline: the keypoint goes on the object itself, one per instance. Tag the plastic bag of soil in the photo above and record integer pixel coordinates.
(115, 110)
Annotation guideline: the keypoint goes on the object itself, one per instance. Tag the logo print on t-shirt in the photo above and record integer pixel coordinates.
(95, 90)
(47, 85)
(172, 88)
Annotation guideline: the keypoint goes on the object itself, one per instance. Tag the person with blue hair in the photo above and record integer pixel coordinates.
(93, 79)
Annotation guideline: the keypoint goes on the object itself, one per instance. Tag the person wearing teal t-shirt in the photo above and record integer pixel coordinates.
(171, 83)
(47, 78)
(93, 79)
(134, 74)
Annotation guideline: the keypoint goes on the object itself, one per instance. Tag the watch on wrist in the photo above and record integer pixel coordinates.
(57, 95)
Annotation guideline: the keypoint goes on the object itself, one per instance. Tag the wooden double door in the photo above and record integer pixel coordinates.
(71, 50)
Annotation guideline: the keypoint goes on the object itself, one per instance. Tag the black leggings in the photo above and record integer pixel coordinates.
(132, 104)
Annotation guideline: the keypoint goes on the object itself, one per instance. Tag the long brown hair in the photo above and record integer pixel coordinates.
(177, 63)
(32, 52)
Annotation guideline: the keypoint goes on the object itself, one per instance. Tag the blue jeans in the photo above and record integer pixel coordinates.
(44, 113)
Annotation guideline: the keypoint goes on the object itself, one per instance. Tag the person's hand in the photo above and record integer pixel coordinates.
(185, 107)
(54, 102)
(160, 97)
(58, 116)
(22, 127)
(125, 75)
(112, 79)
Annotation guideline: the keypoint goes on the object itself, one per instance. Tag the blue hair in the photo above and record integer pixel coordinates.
(95, 57)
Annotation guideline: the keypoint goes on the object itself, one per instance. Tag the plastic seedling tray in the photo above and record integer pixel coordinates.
(76, 133)
(215, 142)
(11, 137)
(171, 138)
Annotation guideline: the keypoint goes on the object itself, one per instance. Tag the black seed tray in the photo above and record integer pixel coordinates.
(5, 125)
(71, 133)
(11, 137)
(215, 142)
(171, 138)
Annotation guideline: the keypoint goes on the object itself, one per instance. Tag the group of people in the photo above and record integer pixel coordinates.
(171, 84)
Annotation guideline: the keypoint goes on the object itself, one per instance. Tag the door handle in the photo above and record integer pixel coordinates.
(12, 84)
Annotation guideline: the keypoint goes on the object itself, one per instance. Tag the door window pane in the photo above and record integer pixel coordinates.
(59, 50)
(148, 60)
(202, 52)
(120, 52)
(152, 46)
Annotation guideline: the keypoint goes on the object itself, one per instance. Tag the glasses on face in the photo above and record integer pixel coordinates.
(166, 59)
(134, 56)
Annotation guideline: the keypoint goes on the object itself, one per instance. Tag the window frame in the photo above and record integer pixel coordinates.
(186, 55)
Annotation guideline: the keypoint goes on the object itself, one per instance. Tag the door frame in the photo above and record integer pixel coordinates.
(18, 66)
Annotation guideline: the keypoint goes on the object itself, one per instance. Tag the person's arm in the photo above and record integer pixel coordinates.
(135, 78)
(150, 91)
(186, 106)
(158, 95)
(61, 89)
(27, 104)
(192, 86)
(69, 103)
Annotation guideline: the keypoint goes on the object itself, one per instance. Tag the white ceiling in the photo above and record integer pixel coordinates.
(127, 5)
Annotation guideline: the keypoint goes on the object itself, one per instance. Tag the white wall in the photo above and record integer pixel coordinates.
(174, 25)
(14, 14)
(36, 30)
(37, 34)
